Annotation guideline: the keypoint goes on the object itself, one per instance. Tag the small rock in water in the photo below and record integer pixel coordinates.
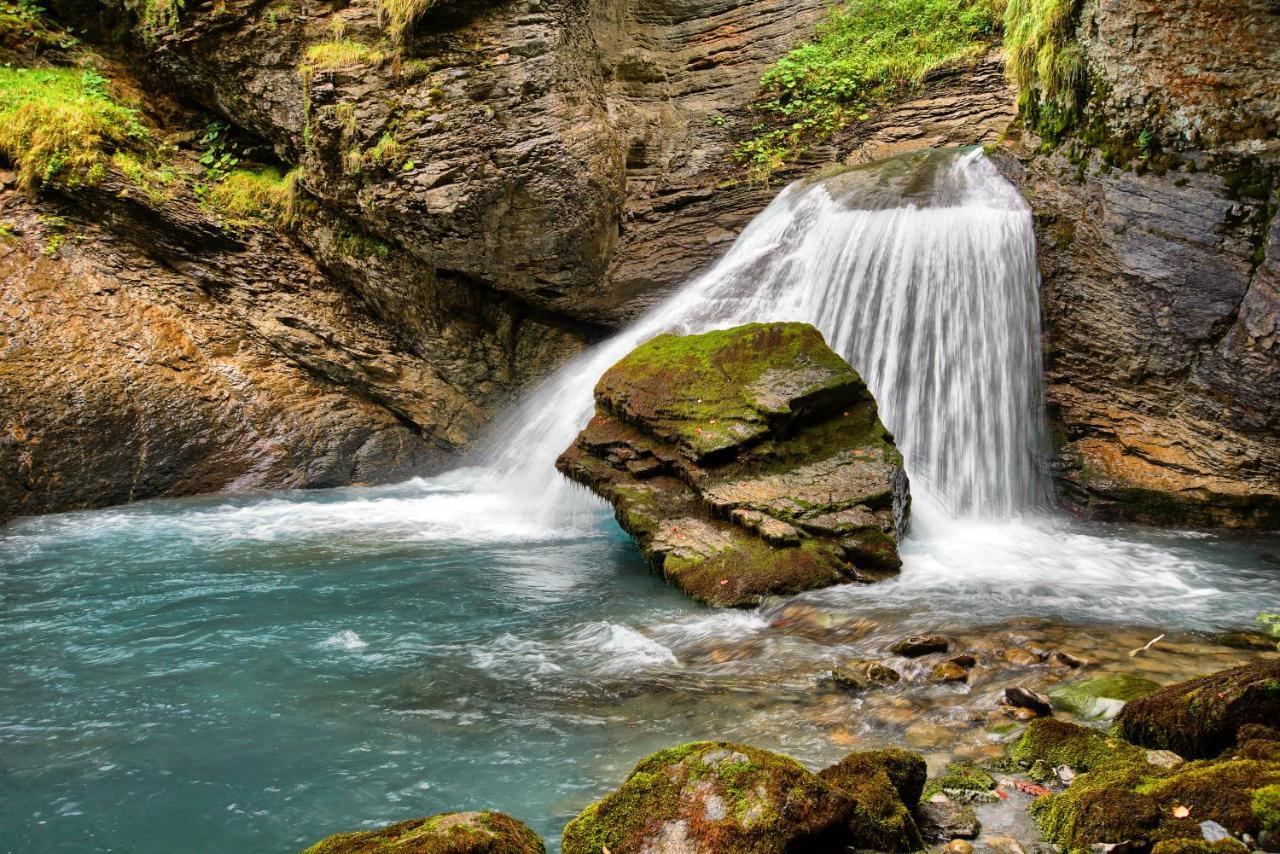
(916, 646)
(1024, 698)
(1065, 658)
(1005, 845)
(964, 659)
(941, 818)
(949, 671)
(958, 846)
(1021, 657)
(861, 674)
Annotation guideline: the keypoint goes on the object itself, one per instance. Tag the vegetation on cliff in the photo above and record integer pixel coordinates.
(57, 123)
(862, 54)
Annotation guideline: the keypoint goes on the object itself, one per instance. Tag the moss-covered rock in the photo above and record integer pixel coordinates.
(1200, 718)
(715, 797)
(1199, 845)
(1101, 697)
(881, 784)
(1121, 796)
(962, 782)
(745, 462)
(447, 833)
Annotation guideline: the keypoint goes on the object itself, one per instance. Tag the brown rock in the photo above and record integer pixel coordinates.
(914, 647)
(948, 671)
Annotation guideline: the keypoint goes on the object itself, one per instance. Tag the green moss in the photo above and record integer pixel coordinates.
(448, 833)
(56, 124)
(1101, 696)
(25, 32)
(862, 54)
(1045, 62)
(1079, 748)
(356, 244)
(157, 182)
(962, 781)
(752, 569)
(729, 797)
(1198, 845)
(249, 196)
(1266, 808)
(338, 54)
(876, 781)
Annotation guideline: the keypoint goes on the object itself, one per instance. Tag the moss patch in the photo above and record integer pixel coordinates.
(248, 196)
(962, 781)
(448, 833)
(881, 783)
(1102, 696)
(56, 124)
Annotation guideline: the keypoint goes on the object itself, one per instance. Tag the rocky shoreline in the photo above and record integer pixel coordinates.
(1088, 789)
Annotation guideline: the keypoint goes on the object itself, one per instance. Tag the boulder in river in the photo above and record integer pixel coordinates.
(745, 462)
(723, 798)
(448, 833)
(1201, 718)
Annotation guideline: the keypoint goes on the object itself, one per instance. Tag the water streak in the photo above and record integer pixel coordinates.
(919, 270)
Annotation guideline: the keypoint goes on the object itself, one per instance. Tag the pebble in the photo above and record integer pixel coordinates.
(1005, 845)
(949, 671)
(964, 660)
(1164, 759)
(1025, 698)
(1066, 658)
(1021, 657)
(925, 734)
(958, 846)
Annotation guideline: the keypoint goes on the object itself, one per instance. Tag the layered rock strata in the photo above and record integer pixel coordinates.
(745, 462)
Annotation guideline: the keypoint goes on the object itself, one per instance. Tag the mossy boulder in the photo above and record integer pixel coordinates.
(962, 782)
(745, 462)
(1123, 797)
(881, 784)
(447, 833)
(1199, 845)
(1101, 697)
(1201, 718)
(715, 797)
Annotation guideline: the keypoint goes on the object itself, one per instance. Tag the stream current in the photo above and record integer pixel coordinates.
(254, 672)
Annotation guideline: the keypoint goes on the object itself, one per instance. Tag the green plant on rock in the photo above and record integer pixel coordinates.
(338, 54)
(399, 15)
(862, 54)
(1045, 62)
(249, 196)
(1272, 622)
(57, 123)
(157, 15)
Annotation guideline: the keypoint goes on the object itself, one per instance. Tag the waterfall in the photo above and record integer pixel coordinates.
(919, 270)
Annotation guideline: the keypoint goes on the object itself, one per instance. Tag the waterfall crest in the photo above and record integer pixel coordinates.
(919, 270)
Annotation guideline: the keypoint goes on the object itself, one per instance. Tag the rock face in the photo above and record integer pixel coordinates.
(745, 462)
(447, 833)
(1160, 263)
(723, 798)
(1201, 718)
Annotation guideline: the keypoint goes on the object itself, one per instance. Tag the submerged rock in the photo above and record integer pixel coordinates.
(745, 462)
(447, 833)
(940, 819)
(861, 674)
(1100, 697)
(1200, 718)
(914, 647)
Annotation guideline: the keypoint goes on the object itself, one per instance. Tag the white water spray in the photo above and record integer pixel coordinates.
(919, 270)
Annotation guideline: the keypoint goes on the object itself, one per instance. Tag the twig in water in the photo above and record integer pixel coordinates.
(1150, 644)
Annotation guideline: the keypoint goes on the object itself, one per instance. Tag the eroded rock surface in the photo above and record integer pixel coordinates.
(745, 462)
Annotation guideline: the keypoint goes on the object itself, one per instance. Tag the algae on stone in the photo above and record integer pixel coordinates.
(447, 833)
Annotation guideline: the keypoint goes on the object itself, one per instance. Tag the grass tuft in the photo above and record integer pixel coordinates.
(248, 196)
(338, 54)
(1045, 62)
(399, 15)
(56, 123)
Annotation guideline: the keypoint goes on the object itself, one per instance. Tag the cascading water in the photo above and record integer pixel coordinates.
(262, 670)
(919, 270)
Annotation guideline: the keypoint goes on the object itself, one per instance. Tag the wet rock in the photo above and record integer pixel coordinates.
(1199, 846)
(881, 783)
(1164, 759)
(1102, 697)
(1252, 641)
(1067, 659)
(1043, 773)
(958, 846)
(964, 660)
(963, 782)
(1121, 795)
(948, 671)
(914, 647)
(1005, 845)
(940, 819)
(763, 419)
(1200, 718)
(715, 797)
(1024, 698)
(447, 833)
(862, 674)
(1021, 657)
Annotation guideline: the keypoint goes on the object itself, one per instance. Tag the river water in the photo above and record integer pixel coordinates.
(254, 672)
